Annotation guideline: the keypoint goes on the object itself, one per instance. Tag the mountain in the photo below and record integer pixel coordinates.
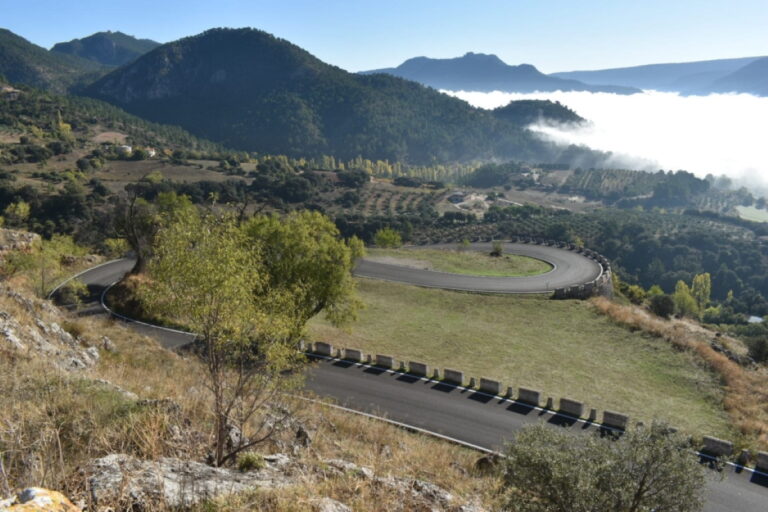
(248, 90)
(675, 77)
(107, 48)
(481, 72)
(752, 78)
(22, 62)
(526, 112)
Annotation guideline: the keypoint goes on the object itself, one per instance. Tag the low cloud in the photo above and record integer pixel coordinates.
(718, 134)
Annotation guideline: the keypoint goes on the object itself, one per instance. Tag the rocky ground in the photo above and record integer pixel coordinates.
(114, 422)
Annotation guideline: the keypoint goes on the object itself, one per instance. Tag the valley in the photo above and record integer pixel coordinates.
(403, 297)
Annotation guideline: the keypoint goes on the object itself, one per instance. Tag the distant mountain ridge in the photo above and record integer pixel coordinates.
(22, 62)
(486, 73)
(700, 77)
(107, 48)
(752, 79)
(249, 90)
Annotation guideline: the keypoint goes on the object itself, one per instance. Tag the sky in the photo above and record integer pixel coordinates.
(554, 35)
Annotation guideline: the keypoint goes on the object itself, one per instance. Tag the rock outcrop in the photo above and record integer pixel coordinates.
(36, 499)
(12, 240)
(42, 339)
(130, 482)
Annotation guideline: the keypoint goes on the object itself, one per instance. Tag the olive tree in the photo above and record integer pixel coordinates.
(646, 469)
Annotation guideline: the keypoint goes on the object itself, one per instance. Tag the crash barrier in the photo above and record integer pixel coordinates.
(716, 447)
(762, 461)
(568, 407)
(453, 377)
(601, 285)
(615, 420)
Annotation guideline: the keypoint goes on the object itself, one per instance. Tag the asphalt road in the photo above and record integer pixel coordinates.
(464, 415)
(569, 269)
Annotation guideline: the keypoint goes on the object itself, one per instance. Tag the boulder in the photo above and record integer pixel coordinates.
(37, 499)
(130, 483)
(331, 505)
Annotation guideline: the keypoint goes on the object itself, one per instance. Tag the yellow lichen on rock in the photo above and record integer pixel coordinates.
(36, 499)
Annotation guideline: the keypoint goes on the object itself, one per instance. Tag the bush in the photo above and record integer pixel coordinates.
(662, 305)
(758, 350)
(387, 238)
(250, 461)
(496, 250)
(72, 293)
(635, 294)
(76, 329)
(650, 468)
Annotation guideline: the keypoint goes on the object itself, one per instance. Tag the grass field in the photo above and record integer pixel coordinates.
(752, 213)
(464, 262)
(564, 348)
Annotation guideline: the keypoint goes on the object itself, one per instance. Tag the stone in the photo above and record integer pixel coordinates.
(107, 344)
(349, 467)
(131, 483)
(37, 499)
(93, 353)
(164, 404)
(331, 505)
(487, 464)
(128, 395)
(302, 436)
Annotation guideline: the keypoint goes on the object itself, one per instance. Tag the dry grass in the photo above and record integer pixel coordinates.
(462, 261)
(564, 348)
(54, 422)
(388, 451)
(746, 390)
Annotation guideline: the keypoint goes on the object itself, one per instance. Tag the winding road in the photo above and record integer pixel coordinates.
(459, 414)
(568, 269)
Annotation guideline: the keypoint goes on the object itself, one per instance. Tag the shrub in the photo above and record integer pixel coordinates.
(250, 461)
(387, 237)
(662, 305)
(76, 329)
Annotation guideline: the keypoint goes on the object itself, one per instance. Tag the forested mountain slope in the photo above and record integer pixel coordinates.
(106, 48)
(249, 90)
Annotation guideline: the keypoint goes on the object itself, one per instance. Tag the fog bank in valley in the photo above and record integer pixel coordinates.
(718, 134)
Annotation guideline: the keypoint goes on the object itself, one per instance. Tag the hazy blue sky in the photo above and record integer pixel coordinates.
(554, 35)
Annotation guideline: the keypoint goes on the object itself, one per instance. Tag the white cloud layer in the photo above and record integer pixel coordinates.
(718, 134)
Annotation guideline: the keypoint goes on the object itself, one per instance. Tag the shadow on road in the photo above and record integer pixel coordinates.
(759, 479)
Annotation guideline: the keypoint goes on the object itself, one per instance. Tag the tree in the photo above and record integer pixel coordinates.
(138, 221)
(649, 468)
(662, 305)
(685, 304)
(17, 214)
(387, 237)
(701, 289)
(204, 274)
(45, 263)
(304, 257)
